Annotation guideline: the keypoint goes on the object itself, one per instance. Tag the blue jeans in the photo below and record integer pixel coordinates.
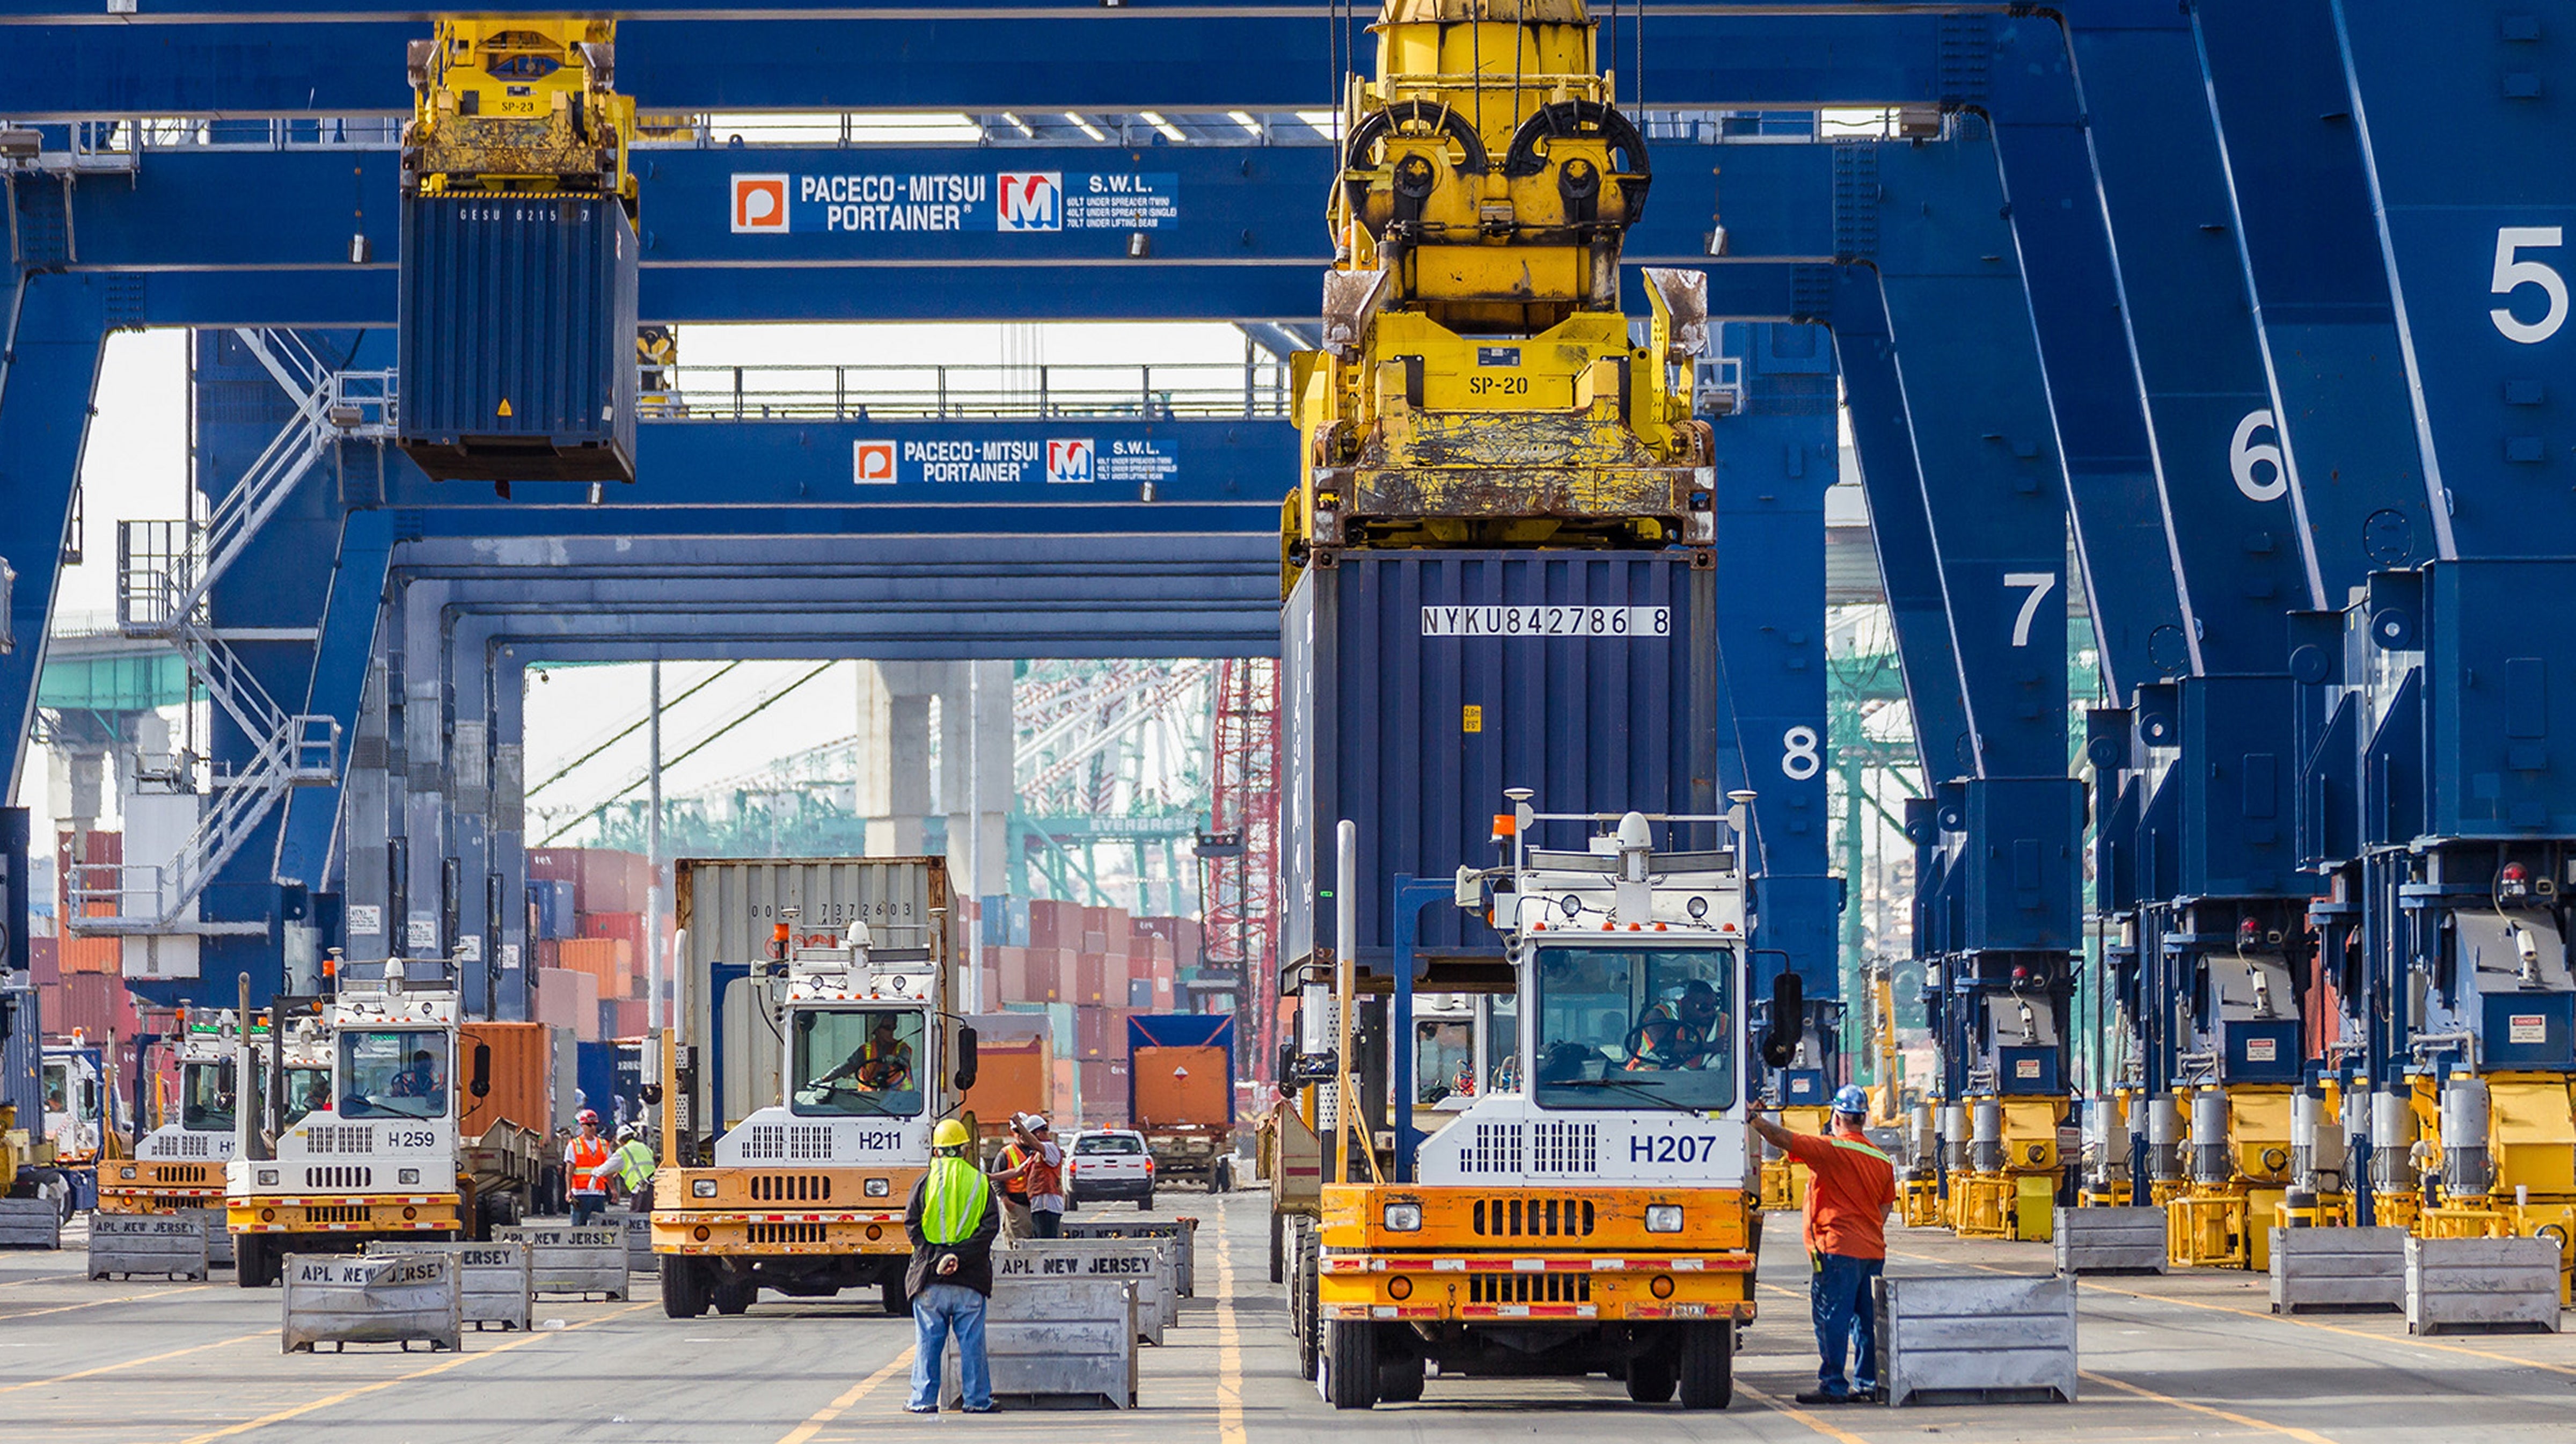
(938, 1311)
(1843, 1300)
(587, 1207)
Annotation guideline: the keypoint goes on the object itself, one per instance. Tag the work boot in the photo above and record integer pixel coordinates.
(1819, 1396)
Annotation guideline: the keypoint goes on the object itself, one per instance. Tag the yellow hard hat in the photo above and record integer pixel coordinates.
(949, 1134)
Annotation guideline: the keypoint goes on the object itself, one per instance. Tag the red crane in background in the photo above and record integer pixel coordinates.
(1239, 852)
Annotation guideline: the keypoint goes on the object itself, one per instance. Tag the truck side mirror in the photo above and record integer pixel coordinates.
(481, 1087)
(1286, 1077)
(1788, 1019)
(965, 1057)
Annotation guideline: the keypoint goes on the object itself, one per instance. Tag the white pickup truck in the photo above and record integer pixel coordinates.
(1108, 1163)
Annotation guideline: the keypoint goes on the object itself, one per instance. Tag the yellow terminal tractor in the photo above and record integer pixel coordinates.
(1477, 385)
(381, 1156)
(805, 1196)
(1599, 1217)
(179, 1166)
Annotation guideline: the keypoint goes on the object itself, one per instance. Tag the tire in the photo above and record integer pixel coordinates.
(1399, 1381)
(1070, 1202)
(1301, 1306)
(1278, 1247)
(898, 1304)
(1708, 1365)
(733, 1298)
(250, 1261)
(1651, 1381)
(684, 1287)
(1145, 1204)
(1351, 1347)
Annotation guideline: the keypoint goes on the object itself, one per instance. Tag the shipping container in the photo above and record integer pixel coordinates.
(625, 926)
(609, 962)
(613, 881)
(553, 908)
(569, 999)
(517, 345)
(557, 864)
(1416, 686)
(1180, 1070)
(521, 1075)
(1014, 1068)
(1054, 924)
(729, 907)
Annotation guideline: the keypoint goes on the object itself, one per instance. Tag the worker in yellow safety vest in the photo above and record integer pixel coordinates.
(952, 1219)
(631, 1165)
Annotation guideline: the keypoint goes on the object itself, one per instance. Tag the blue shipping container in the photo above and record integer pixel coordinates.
(517, 350)
(1416, 686)
(1180, 1030)
(552, 903)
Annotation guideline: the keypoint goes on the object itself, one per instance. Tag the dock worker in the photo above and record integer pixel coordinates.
(631, 1165)
(1851, 1188)
(952, 1219)
(1043, 1176)
(583, 1157)
(881, 1064)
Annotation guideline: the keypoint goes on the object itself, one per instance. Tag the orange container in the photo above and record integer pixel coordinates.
(93, 955)
(610, 962)
(1012, 1075)
(521, 1075)
(1181, 1087)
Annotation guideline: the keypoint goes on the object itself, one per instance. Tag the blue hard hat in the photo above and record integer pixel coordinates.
(1850, 1099)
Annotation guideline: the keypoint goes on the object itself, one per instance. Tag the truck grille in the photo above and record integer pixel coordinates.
(1564, 1147)
(349, 1176)
(1529, 1288)
(791, 1188)
(337, 1213)
(1496, 1149)
(338, 1138)
(176, 1174)
(182, 1145)
(1533, 1217)
(787, 1232)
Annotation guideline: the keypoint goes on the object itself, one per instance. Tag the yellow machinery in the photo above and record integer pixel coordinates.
(1477, 386)
(2239, 1175)
(2109, 1128)
(2009, 1187)
(518, 105)
(2506, 1150)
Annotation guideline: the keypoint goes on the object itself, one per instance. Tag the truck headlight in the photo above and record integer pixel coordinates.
(1404, 1217)
(876, 1188)
(1663, 1218)
(268, 1178)
(126, 1172)
(702, 1188)
(408, 1175)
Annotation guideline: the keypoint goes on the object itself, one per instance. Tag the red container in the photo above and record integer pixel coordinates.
(1090, 980)
(1091, 1033)
(1050, 976)
(613, 881)
(557, 864)
(44, 960)
(96, 1004)
(628, 927)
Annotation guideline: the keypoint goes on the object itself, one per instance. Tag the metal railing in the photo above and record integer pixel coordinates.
(143, 897)
(1189, 390)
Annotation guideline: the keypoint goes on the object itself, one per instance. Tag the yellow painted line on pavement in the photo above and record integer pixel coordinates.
(1787, 1410)
(9, 1318)
(1229, 1354)
(135, 1363)
(2405, 1341)
(2247, 1421)
(345, 1395)
(899, 1364)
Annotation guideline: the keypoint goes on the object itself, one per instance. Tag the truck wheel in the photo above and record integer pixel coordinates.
(732, 1298)
(1708, 1365)
(1351, 1362)
(1145, 1203)
(1278, 1247)
(898, 1304)
(1301, 1306)
(1399, 1381)
(1651, 1381)
(248, 1259)
(684, 1287)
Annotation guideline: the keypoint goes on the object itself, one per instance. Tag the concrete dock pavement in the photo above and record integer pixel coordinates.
(2187, 1356)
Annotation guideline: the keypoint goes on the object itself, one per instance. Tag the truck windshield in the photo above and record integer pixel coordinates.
(206, 1097)
(308, 1090)
(393, 1073)
(58, 1088)
(858, 1062)
(1629, 1028)
(1444, 1059)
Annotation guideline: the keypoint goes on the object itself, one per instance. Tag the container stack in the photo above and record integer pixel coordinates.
(1090, 969)
(586, 923)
